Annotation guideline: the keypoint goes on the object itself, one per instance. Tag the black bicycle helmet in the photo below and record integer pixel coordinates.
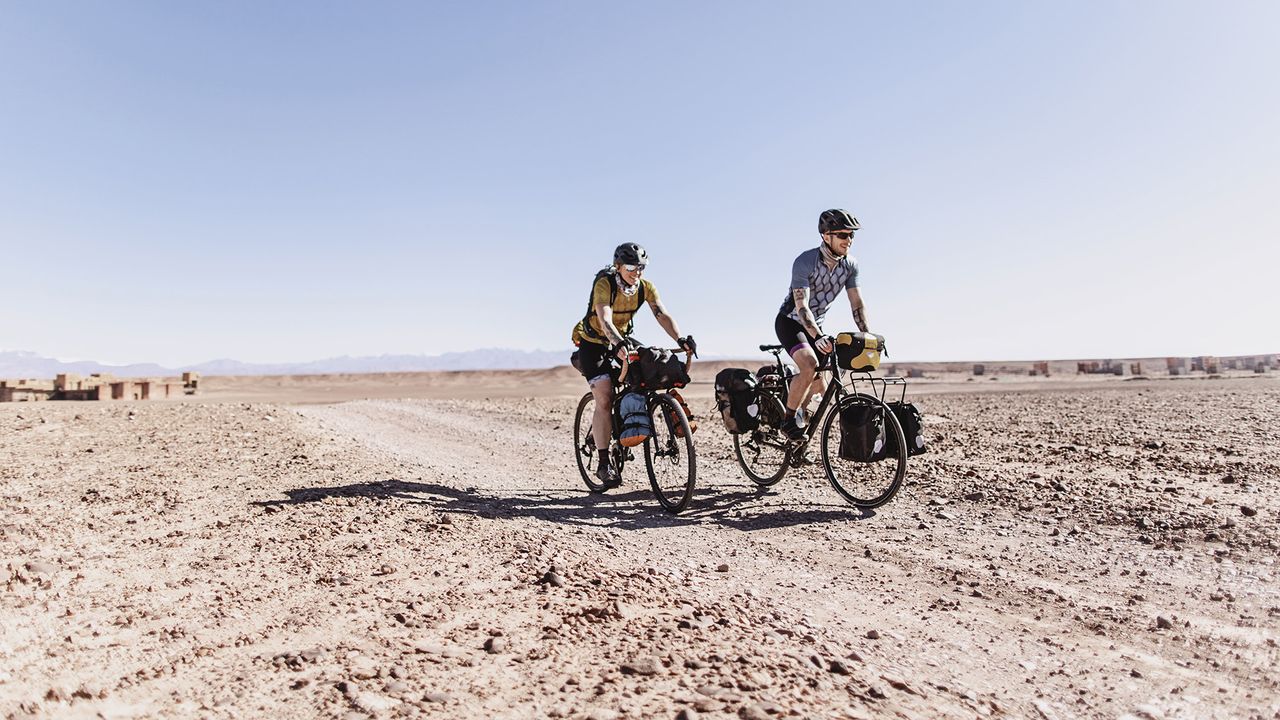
(630, 254)
(836, 219)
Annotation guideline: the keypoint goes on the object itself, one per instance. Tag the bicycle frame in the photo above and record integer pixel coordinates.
(836, 386)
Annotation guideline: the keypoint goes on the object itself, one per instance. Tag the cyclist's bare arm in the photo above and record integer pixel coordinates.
(859, 309)
(605, 314)
(667, 322)
(807, 320)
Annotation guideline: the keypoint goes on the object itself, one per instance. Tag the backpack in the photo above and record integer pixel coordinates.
(636, 426)
(608, 272)
(688, 414)
(736, 400)
(862, 433)
(660, 369)
(912, 422)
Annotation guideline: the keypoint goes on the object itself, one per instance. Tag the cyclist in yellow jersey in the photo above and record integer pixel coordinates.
(617, 293)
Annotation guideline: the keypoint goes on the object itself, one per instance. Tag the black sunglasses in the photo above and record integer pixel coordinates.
(843, 234)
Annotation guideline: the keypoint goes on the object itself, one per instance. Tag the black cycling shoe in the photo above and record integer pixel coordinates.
(792, 429)
(607, 474)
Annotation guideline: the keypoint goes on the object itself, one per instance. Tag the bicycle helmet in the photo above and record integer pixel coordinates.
(630, 254)
(836, 219)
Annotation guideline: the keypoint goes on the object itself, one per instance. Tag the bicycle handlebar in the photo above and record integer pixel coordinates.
(626, 362)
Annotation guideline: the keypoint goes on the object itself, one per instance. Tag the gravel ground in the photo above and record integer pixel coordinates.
(1100, 552)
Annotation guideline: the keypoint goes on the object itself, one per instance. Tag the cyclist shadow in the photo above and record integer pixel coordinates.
(628, 509)
(761, 509)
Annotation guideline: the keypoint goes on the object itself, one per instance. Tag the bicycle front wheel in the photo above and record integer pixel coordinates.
(762, 453)
(871, 481)
(669, 454)
(584, 443)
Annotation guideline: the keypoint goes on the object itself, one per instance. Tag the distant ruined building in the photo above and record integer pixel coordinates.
(96, 387)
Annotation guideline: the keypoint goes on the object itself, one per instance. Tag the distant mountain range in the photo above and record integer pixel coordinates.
(21, 364)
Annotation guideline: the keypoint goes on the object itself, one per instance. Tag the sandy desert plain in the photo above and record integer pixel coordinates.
(422, 546)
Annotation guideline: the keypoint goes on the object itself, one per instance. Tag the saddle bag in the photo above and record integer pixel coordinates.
(862, 433)
(636, 426)
(660, 369)
(736, 400)
(912, 422)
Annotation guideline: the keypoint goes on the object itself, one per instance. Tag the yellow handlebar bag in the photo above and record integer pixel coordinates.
(859, 352)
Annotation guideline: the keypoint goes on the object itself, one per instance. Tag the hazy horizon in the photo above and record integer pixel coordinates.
(292, 182)
(485, 358)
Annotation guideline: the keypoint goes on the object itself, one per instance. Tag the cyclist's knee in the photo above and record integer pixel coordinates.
(806, 361)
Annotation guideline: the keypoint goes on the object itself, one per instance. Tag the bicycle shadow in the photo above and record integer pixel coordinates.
(630, 509)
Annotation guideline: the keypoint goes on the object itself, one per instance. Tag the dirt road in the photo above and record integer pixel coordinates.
(1099, 552)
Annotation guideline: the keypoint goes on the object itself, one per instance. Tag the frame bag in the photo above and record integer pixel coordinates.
(862, 433)
(636, 425)
(736, 400)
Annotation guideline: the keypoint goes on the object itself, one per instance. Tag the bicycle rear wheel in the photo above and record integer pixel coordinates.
(584, 443)
(865, 484)
(762, 453)
(669, 455)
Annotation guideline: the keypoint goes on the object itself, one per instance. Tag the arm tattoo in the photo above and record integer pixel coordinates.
(860, 317)
(810, 323)
(605, 315)
(659, 310)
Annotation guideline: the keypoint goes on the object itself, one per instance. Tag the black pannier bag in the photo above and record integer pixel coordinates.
(660, 369)
(789, 372)
(771, 381)
(736, 400)
(862, 433)
(912, 422)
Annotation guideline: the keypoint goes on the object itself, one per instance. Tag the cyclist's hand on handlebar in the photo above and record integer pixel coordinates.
(621, 351)
(825, 344)
(687, 342)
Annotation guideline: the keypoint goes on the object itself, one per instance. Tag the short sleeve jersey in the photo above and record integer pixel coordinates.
(624, 308)
(824, 285)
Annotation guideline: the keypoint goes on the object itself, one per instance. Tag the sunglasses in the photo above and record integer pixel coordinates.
(633, 268)
(843, 235)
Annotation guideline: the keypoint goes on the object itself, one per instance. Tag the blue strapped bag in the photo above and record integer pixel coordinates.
(636, 426)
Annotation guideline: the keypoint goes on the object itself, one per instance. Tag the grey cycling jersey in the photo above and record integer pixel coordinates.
(824, 285)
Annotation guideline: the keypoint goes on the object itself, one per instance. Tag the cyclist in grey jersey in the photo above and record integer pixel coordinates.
(817, 278)
(825, 284)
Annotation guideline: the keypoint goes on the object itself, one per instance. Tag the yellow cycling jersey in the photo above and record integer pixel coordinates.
(604, 291)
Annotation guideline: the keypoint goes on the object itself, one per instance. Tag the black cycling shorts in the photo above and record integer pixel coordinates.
(593, 361)
(792, 336)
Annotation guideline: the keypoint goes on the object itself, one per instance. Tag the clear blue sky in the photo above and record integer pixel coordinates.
(292, 181)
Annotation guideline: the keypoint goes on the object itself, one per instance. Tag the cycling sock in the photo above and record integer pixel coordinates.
(791, 414)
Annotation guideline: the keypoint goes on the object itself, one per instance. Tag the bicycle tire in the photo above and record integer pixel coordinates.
(584, 448)
(670, 430)
(771, 437)
(884, 486)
